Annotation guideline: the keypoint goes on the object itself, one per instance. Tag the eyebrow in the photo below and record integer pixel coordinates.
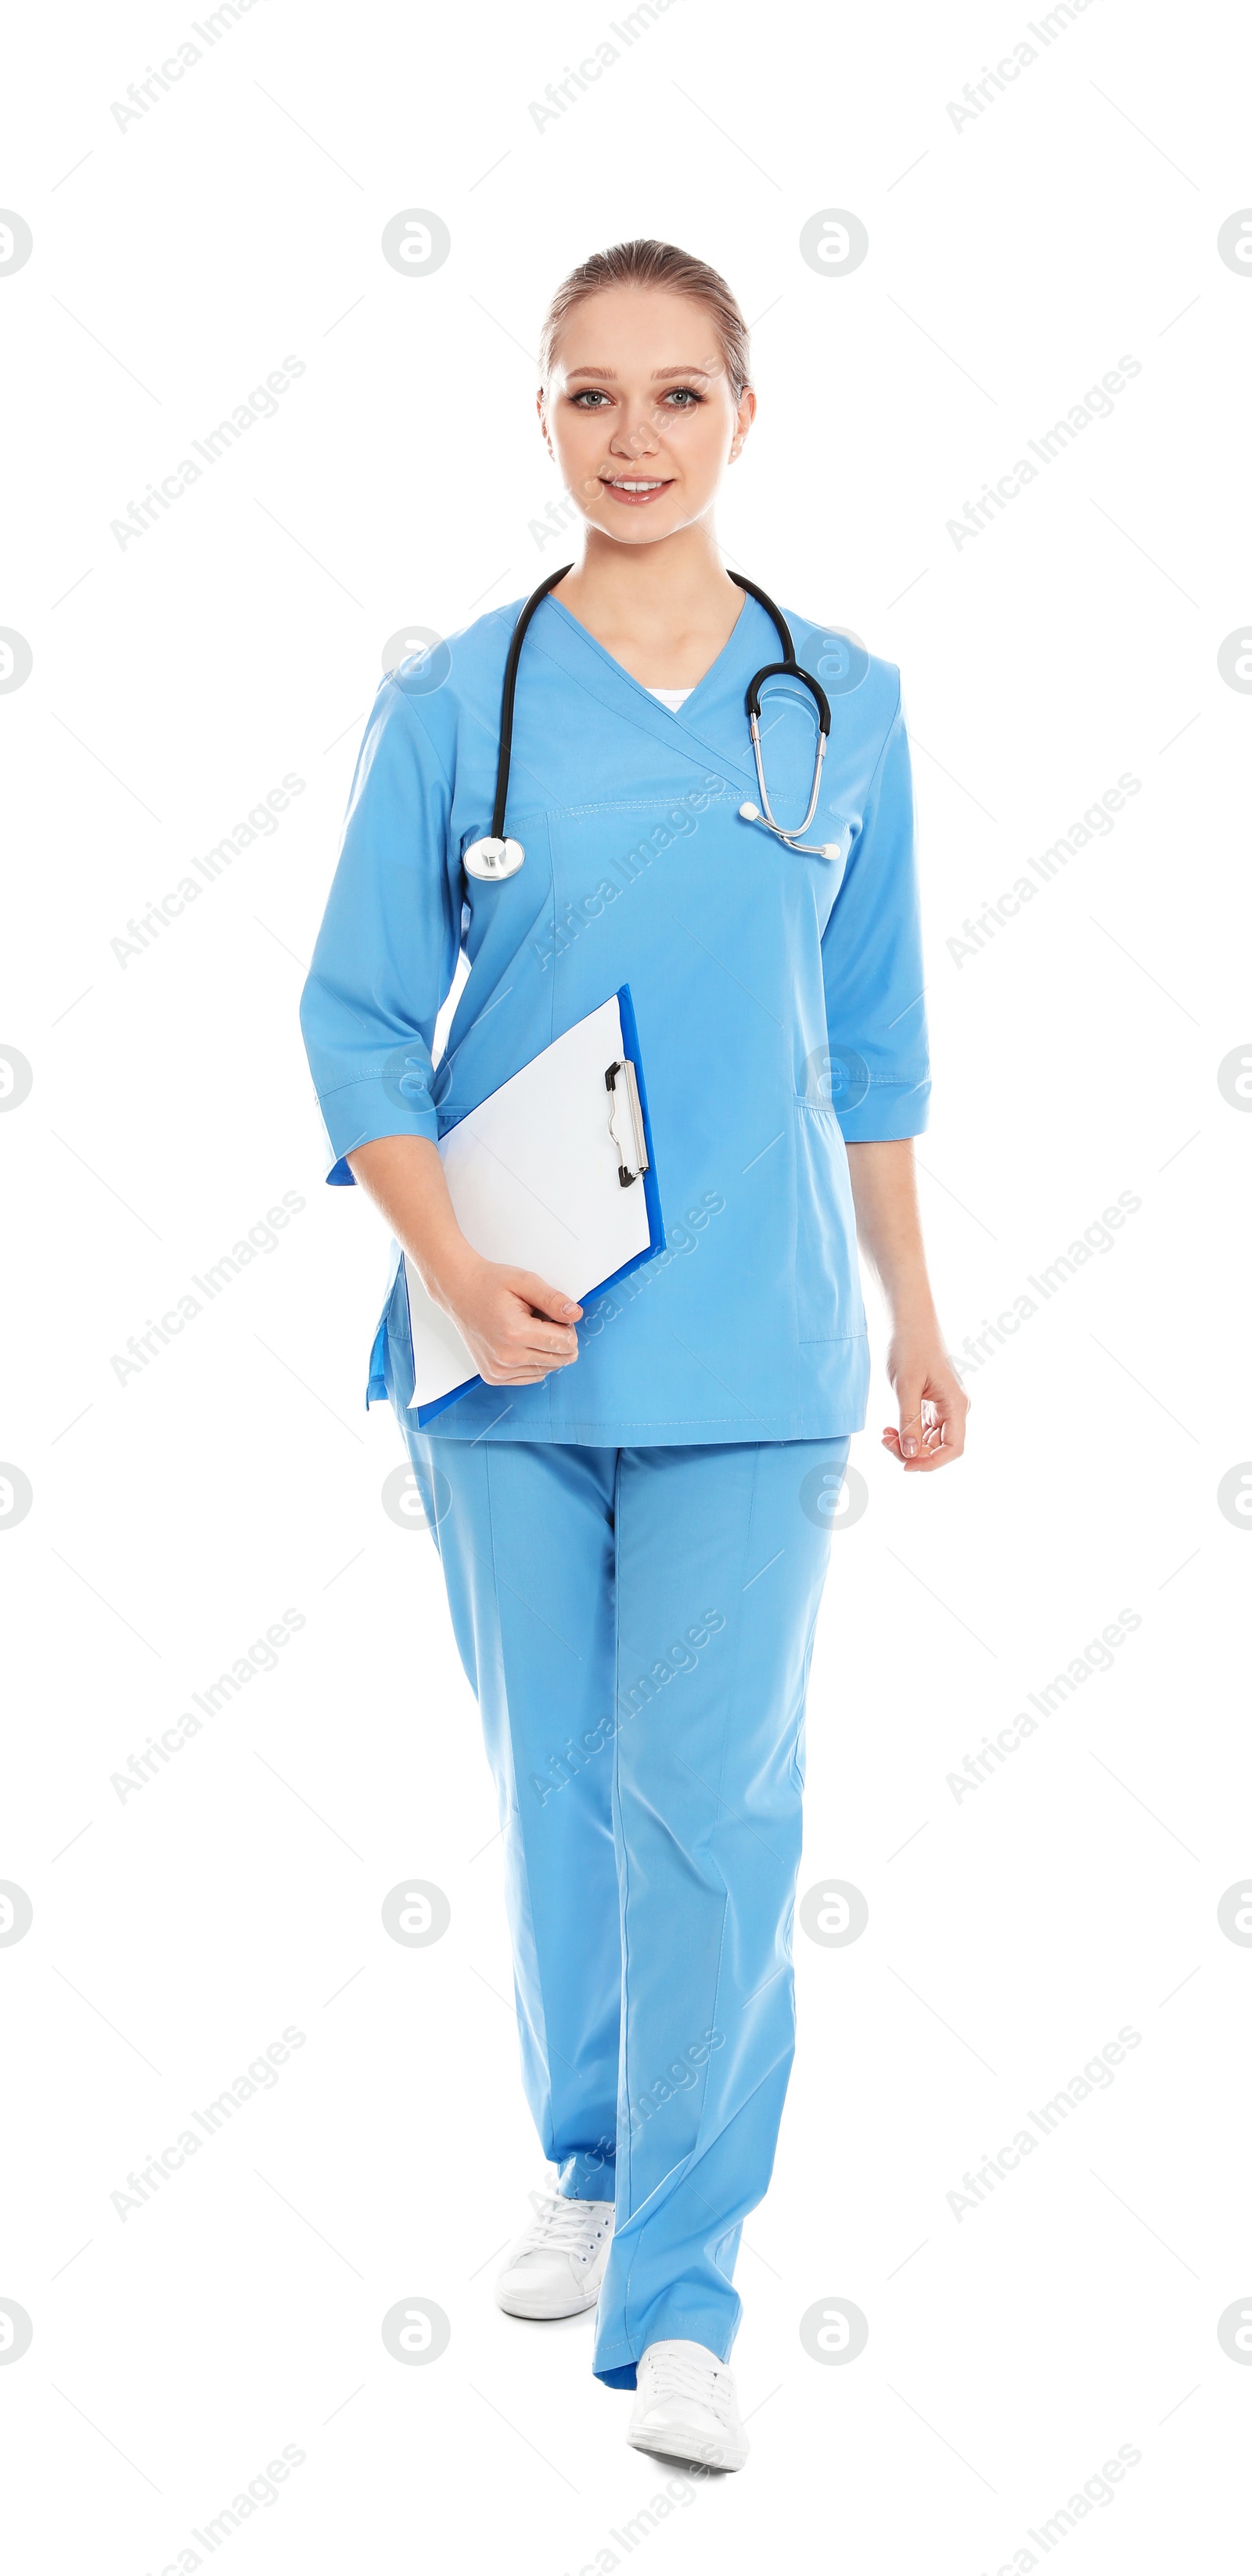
(608, 375)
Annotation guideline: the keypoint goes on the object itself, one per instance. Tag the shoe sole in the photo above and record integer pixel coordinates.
(671, 2443)
(539, 2314)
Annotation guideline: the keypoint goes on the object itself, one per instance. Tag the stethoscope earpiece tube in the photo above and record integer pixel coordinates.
(508, 694)
(793, 671)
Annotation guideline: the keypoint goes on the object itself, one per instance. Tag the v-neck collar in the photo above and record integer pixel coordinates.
(620, 667)
(568, 642)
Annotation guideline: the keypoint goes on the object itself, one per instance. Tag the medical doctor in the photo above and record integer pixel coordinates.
(710, 802)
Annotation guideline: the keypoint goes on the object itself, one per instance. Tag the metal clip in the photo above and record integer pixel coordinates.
(632, 1147)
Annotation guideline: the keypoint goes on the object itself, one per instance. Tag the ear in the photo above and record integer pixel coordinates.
(745, 414)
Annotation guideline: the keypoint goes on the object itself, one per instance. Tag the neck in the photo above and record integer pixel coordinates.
(671, 602)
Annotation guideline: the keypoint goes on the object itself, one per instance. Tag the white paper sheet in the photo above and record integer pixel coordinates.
(533, 1177)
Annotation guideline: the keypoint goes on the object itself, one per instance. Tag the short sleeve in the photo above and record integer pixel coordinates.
(387, 949)
(872, 966)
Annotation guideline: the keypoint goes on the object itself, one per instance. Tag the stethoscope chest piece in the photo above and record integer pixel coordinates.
(493, 859)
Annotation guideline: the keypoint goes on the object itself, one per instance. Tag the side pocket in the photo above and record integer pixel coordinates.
(827, 1280)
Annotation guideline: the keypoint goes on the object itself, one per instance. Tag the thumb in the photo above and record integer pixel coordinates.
(909, 1396)
(546, 1301)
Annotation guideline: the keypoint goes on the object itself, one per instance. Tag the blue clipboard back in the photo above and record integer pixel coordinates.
(428, 1413)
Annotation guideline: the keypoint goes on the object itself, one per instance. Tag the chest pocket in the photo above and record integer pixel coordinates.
(827, 1280)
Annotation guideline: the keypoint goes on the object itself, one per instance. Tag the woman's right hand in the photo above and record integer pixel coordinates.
(517, 1327)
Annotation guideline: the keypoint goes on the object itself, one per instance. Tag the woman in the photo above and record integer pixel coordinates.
(633, 1506)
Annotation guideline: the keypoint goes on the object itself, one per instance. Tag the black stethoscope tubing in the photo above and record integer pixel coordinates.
(788, 668)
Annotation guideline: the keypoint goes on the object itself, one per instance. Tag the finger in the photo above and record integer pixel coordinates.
(936, 1448)
(545, 1300)
(553, 1347)
(943, 1439)
(950, 1411)
(912, 1425)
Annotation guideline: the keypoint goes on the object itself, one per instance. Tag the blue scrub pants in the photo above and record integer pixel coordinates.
(637, 1625)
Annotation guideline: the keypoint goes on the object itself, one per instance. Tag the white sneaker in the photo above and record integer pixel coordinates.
(685, 2407)
(556, 2267)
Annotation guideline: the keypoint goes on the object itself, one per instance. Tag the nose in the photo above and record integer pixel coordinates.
(636, 432)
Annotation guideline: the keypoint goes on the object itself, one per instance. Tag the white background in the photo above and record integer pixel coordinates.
(1011, 1933)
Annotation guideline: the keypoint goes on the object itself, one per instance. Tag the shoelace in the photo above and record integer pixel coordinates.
(560, 2223)
(672, 2375)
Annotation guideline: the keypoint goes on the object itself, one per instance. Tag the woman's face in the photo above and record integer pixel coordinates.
(640, 414)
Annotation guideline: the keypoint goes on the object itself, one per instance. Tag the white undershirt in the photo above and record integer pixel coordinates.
(670, 697)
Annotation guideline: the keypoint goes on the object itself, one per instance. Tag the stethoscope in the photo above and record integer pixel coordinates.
(495, 857)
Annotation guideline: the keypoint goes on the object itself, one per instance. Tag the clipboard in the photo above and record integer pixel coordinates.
(553, 1172)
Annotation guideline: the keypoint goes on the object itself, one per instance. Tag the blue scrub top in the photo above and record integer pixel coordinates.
(778, 998)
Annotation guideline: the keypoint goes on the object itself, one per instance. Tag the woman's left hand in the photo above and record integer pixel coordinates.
(933, 1403)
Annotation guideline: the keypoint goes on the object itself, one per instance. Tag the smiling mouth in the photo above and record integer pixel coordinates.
(635, 488)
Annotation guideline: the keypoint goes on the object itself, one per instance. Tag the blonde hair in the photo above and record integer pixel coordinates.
(652, 263)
